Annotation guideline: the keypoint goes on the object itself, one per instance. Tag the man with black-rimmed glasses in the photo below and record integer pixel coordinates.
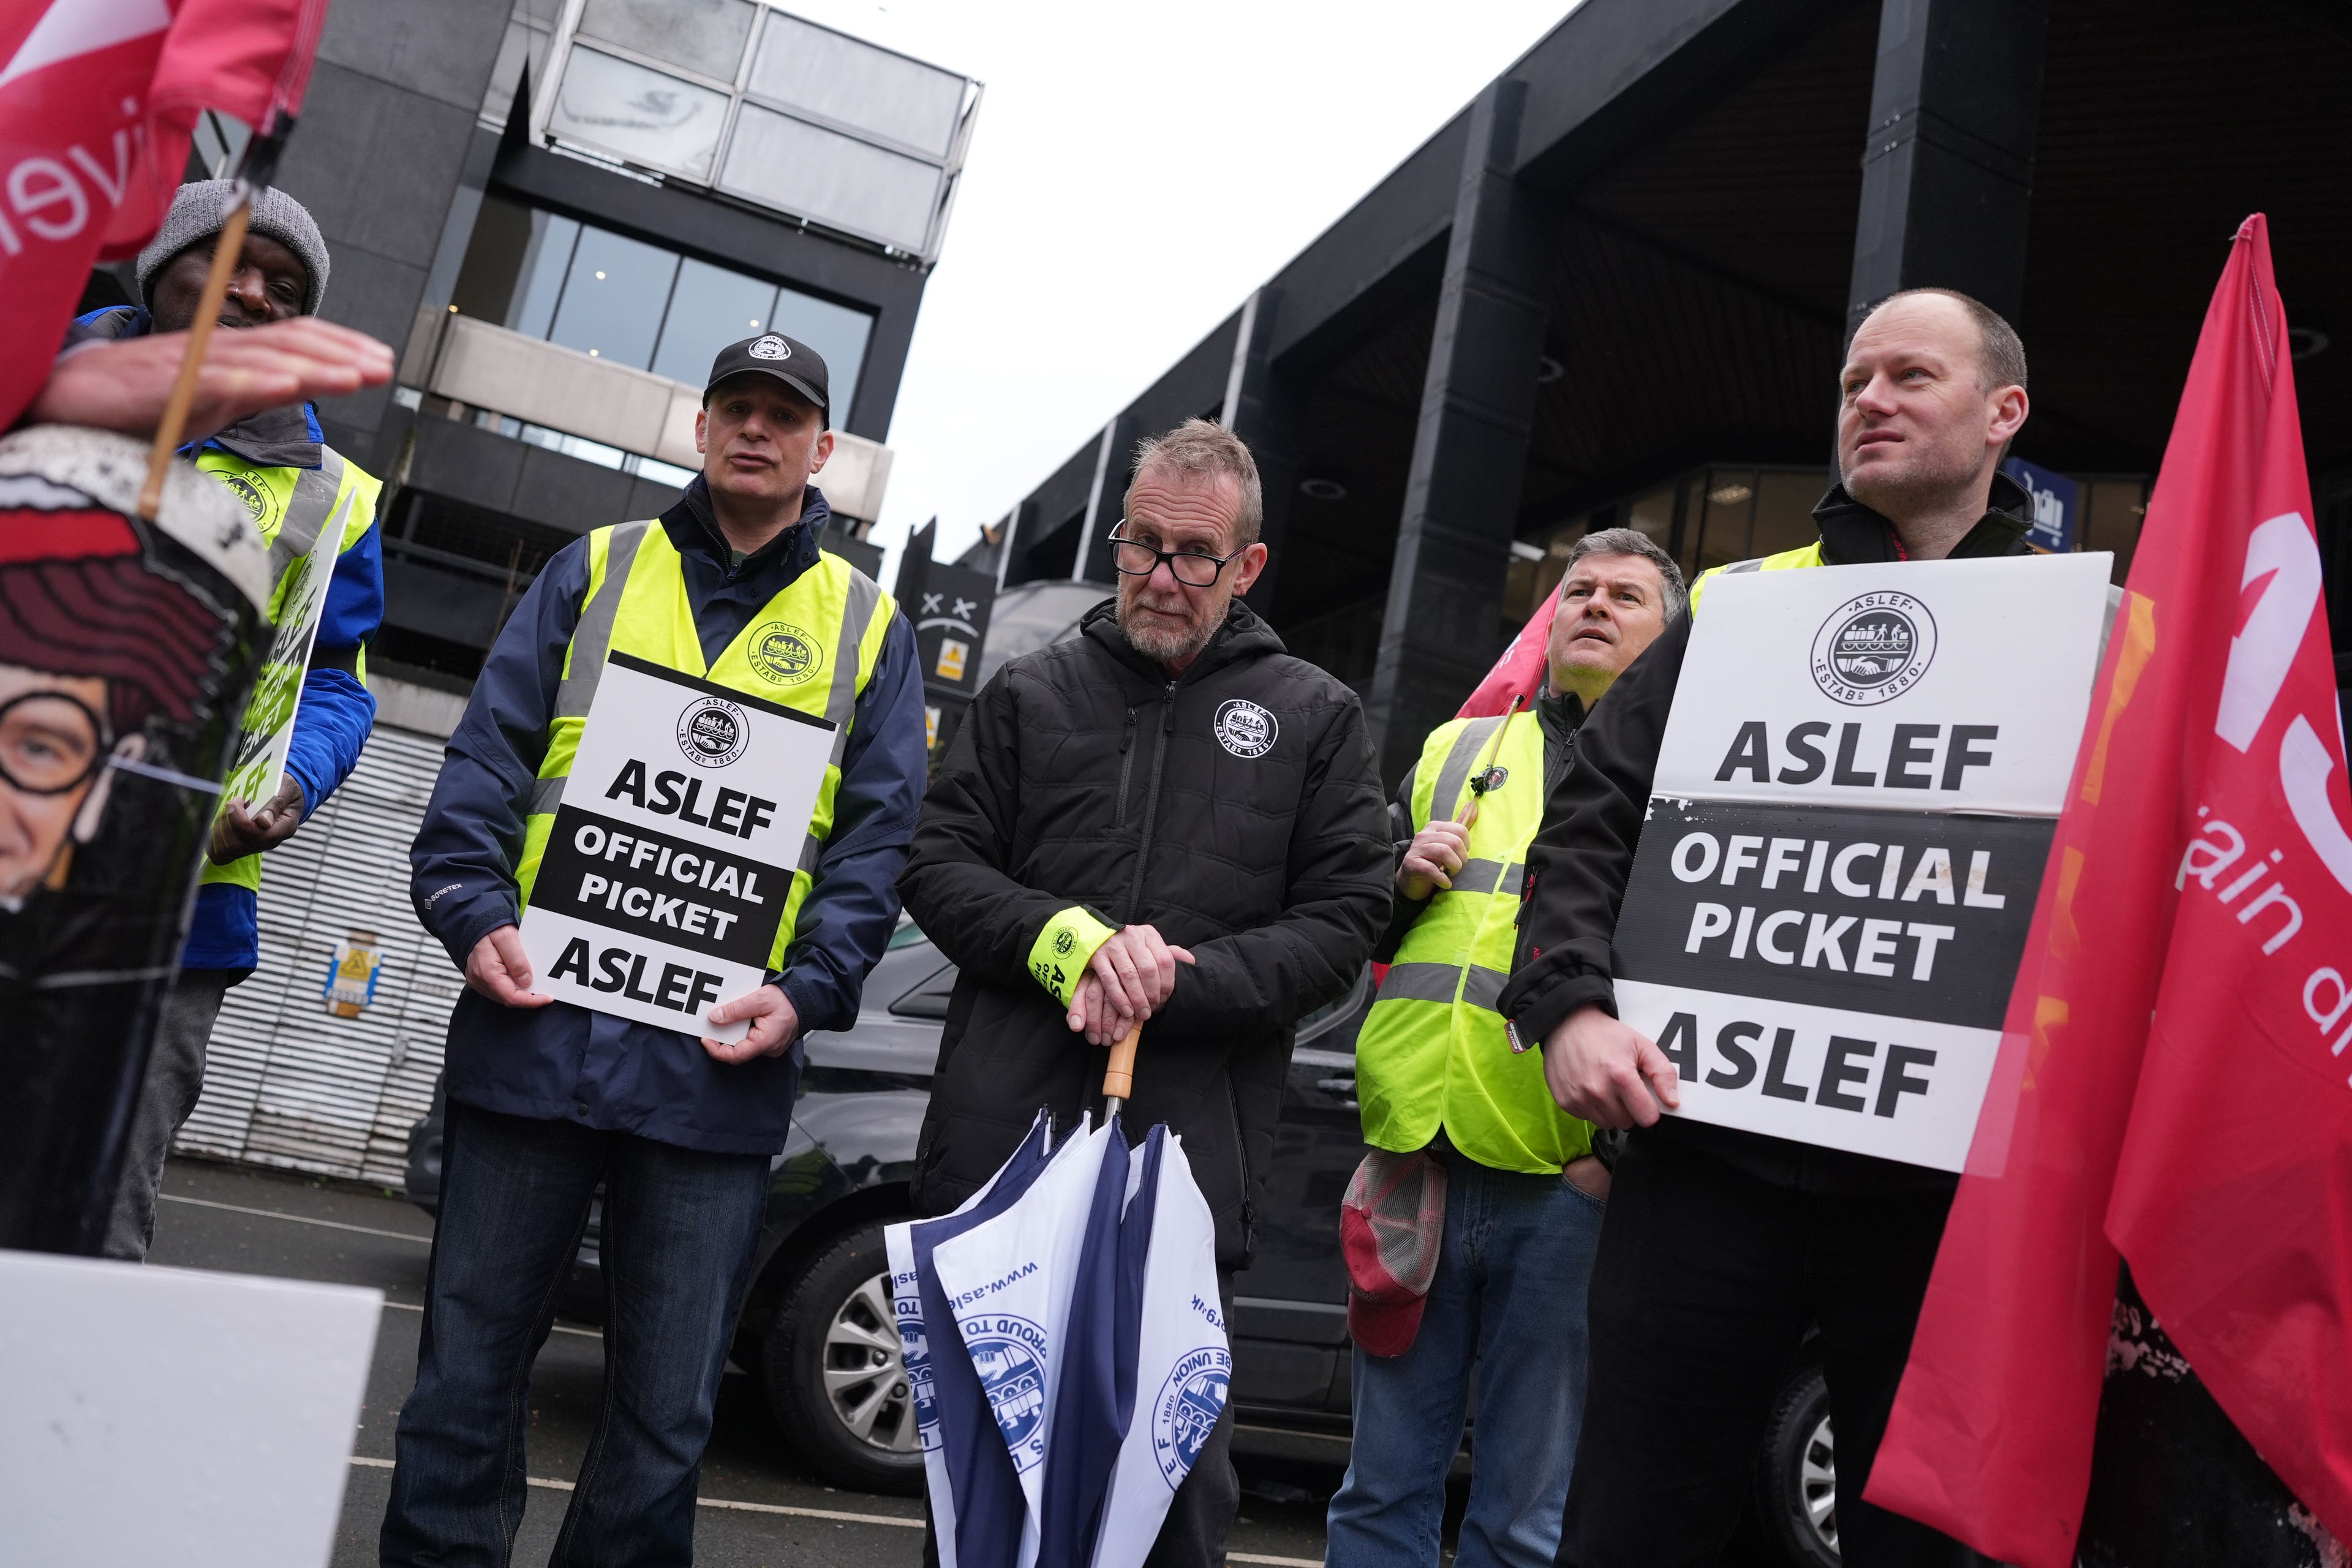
(1167, 819)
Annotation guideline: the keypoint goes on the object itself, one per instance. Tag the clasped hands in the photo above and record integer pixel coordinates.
(1130, 977)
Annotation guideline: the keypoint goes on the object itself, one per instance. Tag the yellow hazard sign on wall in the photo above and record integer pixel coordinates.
(951, 656)
(351, 979)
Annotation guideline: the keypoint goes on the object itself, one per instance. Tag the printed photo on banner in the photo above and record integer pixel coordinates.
(1853, 803)
(673, 854)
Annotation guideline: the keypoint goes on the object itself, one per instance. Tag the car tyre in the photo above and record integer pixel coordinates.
(835, 1380)
(1796, 1474)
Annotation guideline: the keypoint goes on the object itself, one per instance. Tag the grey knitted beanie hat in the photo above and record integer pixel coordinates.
(200, 207)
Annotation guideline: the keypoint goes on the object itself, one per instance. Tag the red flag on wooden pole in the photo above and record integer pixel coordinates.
(2173, 1074)
(1520, 671)
(98, 99)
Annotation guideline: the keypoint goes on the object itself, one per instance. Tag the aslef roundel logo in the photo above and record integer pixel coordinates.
(784, 654)
(1244, 729)
(1874, 649)
(712, 733)
(771, 347)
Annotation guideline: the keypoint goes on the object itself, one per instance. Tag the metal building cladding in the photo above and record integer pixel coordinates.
(1616, 288)
(559, 211)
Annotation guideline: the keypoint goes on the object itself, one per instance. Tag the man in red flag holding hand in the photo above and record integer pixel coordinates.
(2173, 1079)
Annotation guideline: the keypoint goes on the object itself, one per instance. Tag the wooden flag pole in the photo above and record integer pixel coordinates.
(1487, 769)
(1118, 1077)
(227, 251)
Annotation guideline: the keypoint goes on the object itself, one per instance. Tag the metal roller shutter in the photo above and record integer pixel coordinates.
(287, 1082)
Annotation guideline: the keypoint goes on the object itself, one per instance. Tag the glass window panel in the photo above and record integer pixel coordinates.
(1784, 509)
(711, 308)
(705, 35)
(614, 298)
(637, 114)
(854, 83)
(837, 333)
(831, 178)
(1653, 512)
(546, 258)
(1728, 506)
(2112, 519)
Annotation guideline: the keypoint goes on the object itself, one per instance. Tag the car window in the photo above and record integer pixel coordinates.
(906, 934)
(929, 999)
(1331, 1025)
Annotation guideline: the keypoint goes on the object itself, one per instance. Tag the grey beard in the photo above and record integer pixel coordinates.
(1164, 647)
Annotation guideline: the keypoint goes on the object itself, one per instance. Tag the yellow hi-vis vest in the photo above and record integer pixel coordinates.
(1788, 560)
(813, 648)
(1432, 1053)
(289, 506)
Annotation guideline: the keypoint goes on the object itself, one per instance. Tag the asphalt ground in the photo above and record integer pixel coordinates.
(761, 1507)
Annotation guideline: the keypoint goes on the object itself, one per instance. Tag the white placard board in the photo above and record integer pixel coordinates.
(1854, 802)
(672, 853)
(152, 1415)
(259, 762)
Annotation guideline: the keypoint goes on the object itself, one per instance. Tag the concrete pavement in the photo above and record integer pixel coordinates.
(761, 1507)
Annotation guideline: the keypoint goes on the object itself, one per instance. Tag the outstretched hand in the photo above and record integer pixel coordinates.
(125, 385)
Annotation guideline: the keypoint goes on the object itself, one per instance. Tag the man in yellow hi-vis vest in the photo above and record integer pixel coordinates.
(1523, 1190)
(293, 486)
(547, 1100)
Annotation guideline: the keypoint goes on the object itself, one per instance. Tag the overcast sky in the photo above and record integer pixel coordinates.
(1136, 170)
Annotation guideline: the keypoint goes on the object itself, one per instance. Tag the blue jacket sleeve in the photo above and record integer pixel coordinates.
(337, 712)
(853, 902)
(464, 855)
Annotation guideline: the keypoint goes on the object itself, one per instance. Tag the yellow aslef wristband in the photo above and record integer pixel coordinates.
(1063, 949)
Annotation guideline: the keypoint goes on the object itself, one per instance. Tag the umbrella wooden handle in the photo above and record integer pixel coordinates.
(1118, 1077)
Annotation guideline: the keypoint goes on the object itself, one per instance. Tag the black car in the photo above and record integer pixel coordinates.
(817, 1328)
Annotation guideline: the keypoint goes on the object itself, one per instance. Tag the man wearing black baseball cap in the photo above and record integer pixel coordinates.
(547, 1099)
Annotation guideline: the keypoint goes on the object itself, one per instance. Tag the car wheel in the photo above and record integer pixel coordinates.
(1796, 1474)
(836, 1378)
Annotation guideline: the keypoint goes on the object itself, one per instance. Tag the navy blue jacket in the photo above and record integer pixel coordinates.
(564, 1062)
(337, 712)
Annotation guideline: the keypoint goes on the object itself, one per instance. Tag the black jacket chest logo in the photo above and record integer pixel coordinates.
(1244, 729)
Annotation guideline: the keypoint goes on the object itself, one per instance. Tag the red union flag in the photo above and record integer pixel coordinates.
(98, 102)
(2174, 1081)
(1520, 672)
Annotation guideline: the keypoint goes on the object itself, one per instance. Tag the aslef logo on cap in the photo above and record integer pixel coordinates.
(1874, 649)
(771, 347)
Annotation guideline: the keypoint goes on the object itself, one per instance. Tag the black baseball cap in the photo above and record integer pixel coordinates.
(789, 360)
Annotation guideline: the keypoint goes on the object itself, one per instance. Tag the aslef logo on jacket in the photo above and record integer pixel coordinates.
(1244, 729)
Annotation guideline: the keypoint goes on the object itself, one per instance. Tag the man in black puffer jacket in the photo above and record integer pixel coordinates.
(1166, 819)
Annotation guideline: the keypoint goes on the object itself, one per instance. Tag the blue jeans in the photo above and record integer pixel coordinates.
(1509, 1297)
(678, 1231)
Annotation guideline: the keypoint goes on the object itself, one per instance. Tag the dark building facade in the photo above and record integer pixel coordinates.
(560, 214)
(1616, 288)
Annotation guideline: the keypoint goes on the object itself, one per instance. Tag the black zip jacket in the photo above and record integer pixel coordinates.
(1084, 775)
(1583, 854)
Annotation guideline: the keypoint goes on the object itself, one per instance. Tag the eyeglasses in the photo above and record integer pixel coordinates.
(1193, 568)
(50, 743)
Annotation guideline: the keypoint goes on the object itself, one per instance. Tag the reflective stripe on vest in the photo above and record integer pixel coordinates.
(1432, 1052)
(636, 603)
(289, 506)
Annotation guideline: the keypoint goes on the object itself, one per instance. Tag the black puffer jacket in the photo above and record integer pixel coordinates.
(1583, 857)
(1083, 775)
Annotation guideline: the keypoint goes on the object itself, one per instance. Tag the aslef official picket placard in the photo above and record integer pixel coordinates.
(671, 856)
(1846, 832)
